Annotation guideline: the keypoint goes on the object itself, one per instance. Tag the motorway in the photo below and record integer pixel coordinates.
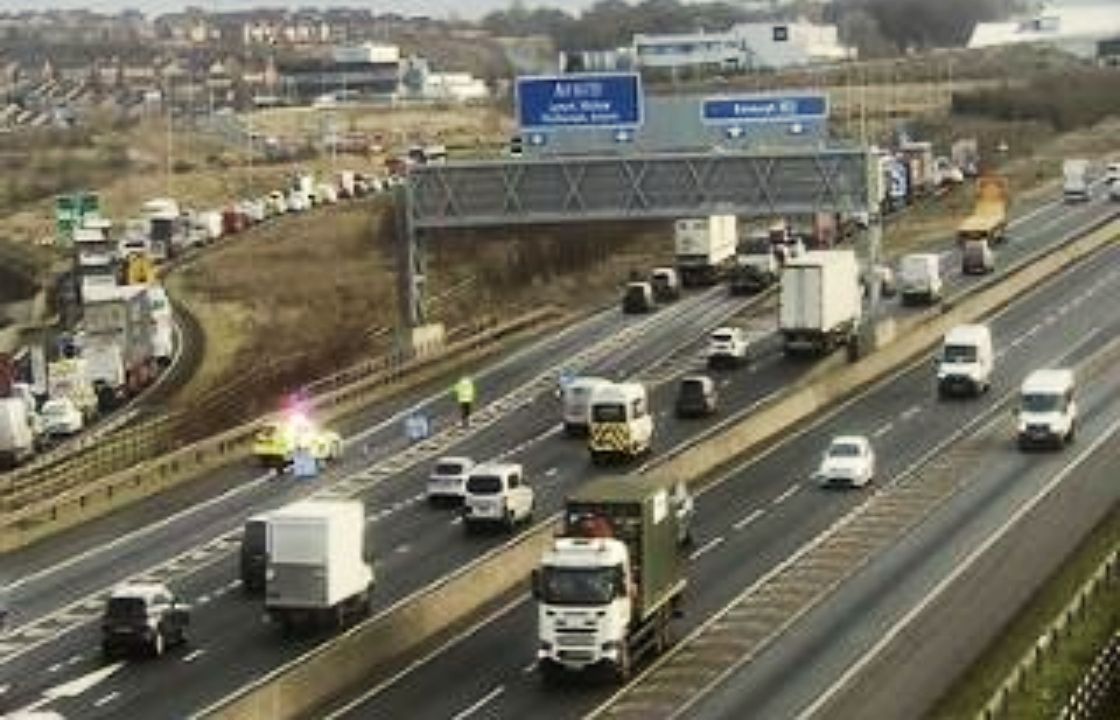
(767, 509)
(189, 537)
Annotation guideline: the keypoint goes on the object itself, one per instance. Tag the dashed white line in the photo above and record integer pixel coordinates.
(750, 518)
(529, 669)
(401, 549)
(54, 668)
(4, 689)
(234, 584)
(488, 697)
(883, 430)
(790, 492)
(457, 520)
(74, 660)
(910, 412)
(706, 547)
(106, 699)
(202, 600)
(193, 655)
(551, 471)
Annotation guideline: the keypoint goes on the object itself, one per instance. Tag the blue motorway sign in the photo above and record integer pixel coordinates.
(765, 108)
(593, 100)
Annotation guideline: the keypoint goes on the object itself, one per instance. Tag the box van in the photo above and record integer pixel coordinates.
(621, 423)
(920, 278)
(965, 363)
(977, 258)
(576, 398)
(1047, 412)
(496, 494)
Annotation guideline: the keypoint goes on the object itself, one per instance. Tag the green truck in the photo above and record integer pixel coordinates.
(610, 584)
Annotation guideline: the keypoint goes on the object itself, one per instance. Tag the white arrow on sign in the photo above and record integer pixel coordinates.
(734, 132)
(622, 136)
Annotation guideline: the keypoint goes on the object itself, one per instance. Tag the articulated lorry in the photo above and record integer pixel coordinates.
(705, 248)
(318, 571)
(988, 221)
(821, 301)
(608, 588)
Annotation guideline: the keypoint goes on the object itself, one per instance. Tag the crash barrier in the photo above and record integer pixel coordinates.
(1097, 692)
(36, 515)
(309, 683)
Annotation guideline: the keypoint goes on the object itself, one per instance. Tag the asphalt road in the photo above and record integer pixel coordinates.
(766, 510)
(60, 583)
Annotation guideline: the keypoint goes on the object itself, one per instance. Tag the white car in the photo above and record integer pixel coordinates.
(727, 345)
(448, 479)
(849, 460)
(61, 417)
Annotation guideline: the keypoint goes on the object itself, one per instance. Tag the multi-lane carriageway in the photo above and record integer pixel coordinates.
(189, 537)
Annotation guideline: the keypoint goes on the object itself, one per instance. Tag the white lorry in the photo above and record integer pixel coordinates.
(820, 303)
(318, 572)
(705, 248)
(17, 437)
(1075, 180)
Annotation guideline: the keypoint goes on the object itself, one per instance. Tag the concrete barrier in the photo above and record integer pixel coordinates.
(37, 520)
(308, 683)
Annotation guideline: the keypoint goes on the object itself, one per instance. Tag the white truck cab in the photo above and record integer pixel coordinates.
(920, 278)
(576, 399)
(621, 423)
(496, 494)
(966, 361)
(1047, 412)
(727, 345)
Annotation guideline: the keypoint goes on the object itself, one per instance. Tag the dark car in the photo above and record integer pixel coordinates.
(143, 617)
(696, 396)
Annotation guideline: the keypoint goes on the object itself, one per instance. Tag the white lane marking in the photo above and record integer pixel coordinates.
(530, 668)
(457, 520)
(487, 698)
(790, 492)
(4, 689)
(74, 660)
(193, 655)
(79, 685)
(707, 547)
(220, 592)
(234, 584)
(750, 518)
(100, 702)
(202, 600)
(910, 412)
(725, 382)
(883, 430)
(959, 569)
(551, 471)
(54, 668)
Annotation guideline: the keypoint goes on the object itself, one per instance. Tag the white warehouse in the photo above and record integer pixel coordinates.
(743, 47)
(1078, 28)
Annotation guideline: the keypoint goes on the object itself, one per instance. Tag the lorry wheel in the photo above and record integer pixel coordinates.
(623, 668)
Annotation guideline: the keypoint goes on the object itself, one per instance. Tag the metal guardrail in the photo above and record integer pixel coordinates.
(1102, 681)
(337, 395)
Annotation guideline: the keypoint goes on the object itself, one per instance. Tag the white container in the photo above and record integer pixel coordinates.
(820, 304)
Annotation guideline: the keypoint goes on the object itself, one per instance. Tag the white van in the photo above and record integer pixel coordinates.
(920, 278)
(964, 365)
(496, 494)
(576, 398)
(621, 423)
(1047, 412)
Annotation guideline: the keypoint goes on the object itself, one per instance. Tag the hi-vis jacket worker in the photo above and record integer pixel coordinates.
(464, 395)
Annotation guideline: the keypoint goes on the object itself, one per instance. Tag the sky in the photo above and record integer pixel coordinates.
(468, 9)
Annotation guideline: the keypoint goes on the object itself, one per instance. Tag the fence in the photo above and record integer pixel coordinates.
(1097, 687)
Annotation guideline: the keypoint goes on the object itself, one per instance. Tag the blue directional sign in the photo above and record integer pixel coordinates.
(591, 100)
(765, 108)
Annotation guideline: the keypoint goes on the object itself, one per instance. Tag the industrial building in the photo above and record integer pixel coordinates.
(746, 46)
(1088, 30)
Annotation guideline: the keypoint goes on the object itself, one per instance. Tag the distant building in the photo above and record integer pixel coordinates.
(420, 82)
(1082, 29)
(365, 71)
(746, 46)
